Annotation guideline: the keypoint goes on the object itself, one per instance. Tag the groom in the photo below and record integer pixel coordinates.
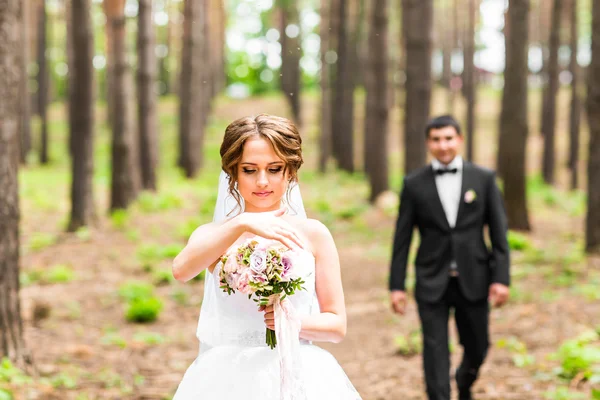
(450, 202)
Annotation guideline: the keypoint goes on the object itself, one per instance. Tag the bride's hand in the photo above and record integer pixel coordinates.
(270, 225)
(269, 316)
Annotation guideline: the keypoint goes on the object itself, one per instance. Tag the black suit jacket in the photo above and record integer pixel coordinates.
(478, 266)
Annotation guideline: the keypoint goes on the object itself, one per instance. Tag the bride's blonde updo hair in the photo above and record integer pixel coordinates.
(280, 132)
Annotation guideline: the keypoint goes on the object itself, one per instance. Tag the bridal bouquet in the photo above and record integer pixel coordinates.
(265, 270)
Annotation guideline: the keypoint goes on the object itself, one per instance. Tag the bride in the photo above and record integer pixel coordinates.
(259, 197)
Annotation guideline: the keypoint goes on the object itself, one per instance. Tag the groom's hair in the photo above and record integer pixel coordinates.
(440, 122)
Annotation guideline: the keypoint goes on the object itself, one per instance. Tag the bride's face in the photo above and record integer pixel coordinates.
(261, 179)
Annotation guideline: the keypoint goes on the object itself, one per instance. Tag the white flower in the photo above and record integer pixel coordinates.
(258, 261)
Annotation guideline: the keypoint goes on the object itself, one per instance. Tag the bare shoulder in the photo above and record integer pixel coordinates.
(314, 232)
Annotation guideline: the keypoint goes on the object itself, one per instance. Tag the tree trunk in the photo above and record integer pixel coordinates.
(207, 71)
(377, 108)
(82, 115)
(109, 69)
(25, 142)
(146, 85)
(11, 76)
(593, 110)
(549, 111)
(222, 18)
(43, 79)
(164, 73)
(513, 117)
(327, 9)
(291, 52)
(125, 177)
(418, 22)
(71, 102)
(575, 111)
(470, 83)
(447, 50)
(357, 38)
(343, 107)
(191, 129)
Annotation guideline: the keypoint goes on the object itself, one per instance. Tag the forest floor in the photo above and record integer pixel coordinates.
(74, 284)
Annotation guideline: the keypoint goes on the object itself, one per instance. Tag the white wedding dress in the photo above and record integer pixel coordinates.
(234, 362)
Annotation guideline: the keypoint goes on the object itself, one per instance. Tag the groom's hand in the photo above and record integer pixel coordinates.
(498, 294)
(398, 298)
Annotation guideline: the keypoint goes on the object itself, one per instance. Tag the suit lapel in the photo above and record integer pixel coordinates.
(437, 202)
(467, 183)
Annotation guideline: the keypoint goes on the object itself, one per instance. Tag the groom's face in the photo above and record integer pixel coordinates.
(444, 143)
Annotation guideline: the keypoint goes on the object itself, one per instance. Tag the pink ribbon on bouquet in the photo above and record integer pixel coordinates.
(287, 331)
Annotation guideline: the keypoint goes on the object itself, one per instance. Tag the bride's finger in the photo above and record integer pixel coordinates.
(293, 237)
(286, 242)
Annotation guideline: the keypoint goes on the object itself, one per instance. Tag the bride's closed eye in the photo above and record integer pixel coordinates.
(271, 170)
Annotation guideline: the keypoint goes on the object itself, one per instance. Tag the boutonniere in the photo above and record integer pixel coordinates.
(470, 196)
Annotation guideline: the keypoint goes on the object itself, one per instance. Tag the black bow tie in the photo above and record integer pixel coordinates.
(443, 171)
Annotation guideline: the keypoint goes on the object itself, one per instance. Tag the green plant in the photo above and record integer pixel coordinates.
(520, 356)
(578, 357)
(563, 393)
(149, 338)
(409, 345)
(11, 374)
(180, 296)
(119, 218)
(114, 339)
(135, 290)
(63, 380)
(144, 309)
(162, 277)
(59, 274)
(152, 202)
(518, 241)
(5, 394)
(41, 240)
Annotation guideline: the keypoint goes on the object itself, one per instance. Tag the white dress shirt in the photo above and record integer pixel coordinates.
(449, 187)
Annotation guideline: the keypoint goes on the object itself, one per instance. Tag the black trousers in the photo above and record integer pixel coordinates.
(472, 320)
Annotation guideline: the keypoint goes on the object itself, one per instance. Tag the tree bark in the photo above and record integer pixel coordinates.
(291, 52)
(513, 117)
(109, 69)
(191, 129)
(71, 102)
(549, 109)
(146, 85)
(11, 76)
(418, 22)
(470, 83)
(343, 106)
(125, 177)
(327, 9)
(43, 78)
(164, 74)
(593, 111)
(25, 142)
(377, 108)
(82, 115)
(575, 110)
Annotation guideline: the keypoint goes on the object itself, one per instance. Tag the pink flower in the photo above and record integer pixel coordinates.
(470, 196)
(231, 265)
(287, 262)
(243, 282)
(232, 280)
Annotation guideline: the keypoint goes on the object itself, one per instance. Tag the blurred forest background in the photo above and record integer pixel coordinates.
(111, 116)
